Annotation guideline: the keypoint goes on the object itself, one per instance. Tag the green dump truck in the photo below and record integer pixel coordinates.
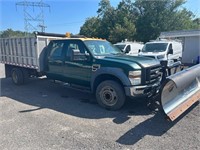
(85, 63)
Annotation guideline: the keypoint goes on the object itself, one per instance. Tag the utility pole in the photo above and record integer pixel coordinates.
(33, 15)
(42, 27)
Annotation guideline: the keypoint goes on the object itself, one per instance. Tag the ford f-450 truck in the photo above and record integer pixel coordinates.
(99, 67)
(88, 63)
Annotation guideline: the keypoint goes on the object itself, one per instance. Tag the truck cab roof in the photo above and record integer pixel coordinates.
(83, 39)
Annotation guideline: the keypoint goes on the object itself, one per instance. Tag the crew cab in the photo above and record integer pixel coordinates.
(100, 67)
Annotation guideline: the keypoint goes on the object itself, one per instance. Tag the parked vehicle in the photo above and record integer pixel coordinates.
(94, 65)
(130, 48)
(170, 51)
(88, 63)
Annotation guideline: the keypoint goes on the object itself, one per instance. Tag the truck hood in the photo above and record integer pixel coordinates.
(131, 60)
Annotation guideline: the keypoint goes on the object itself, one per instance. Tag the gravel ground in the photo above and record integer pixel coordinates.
(42, 115)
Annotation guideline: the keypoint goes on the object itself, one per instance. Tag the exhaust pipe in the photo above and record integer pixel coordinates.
(180, 91)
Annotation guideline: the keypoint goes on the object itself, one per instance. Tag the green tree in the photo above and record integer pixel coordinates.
(196, 22)
(101, 25)
(104, 7)
(11, 33)
(140, 20)
(112, 24)
(163, 15)
(90, 27)
(125, 17)
(122, 31)
(106, 15)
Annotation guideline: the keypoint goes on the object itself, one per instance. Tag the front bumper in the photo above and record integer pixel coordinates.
(144, 90)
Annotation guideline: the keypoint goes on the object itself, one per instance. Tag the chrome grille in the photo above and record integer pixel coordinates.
(153, 74)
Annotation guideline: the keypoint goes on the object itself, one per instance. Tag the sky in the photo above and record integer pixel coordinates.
(63, 15)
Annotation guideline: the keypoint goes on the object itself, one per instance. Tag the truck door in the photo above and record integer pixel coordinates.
(77, 71)
(56, 60)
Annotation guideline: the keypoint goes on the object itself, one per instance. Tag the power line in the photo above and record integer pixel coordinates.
(30, 20)
(66, 23)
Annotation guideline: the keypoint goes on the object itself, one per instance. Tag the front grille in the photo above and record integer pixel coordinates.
(153, 74)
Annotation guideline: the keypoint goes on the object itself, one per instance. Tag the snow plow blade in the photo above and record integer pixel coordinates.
(180, 92)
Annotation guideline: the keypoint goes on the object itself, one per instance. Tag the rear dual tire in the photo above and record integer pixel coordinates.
(17, 76)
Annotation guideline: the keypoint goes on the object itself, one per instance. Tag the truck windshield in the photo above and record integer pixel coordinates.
(155, 47)
(101, 48)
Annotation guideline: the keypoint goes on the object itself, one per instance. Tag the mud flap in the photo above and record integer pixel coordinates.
(180, 91)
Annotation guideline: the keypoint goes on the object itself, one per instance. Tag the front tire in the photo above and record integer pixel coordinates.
(110, 95)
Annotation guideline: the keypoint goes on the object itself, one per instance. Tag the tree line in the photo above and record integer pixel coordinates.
(11, 33)
(140, 20)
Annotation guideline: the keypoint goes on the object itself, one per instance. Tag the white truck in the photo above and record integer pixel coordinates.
(166, 50)
(130, 48)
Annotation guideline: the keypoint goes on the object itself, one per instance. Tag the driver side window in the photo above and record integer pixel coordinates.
(78, 45)
(76, 50)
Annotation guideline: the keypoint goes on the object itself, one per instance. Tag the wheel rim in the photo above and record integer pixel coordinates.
(14, 77)
(108, 96)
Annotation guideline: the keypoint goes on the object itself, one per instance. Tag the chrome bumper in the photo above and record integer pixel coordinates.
(146, 90)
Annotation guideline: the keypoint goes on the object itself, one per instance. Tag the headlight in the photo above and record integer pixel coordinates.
(161, 56)
(135, 77)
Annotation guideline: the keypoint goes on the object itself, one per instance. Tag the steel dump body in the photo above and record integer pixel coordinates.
(24, 52)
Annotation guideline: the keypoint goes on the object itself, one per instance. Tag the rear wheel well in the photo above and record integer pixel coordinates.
(26, 71)
(23, 73)
(104, 77)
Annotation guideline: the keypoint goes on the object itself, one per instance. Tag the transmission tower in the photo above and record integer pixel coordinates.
(33, 15)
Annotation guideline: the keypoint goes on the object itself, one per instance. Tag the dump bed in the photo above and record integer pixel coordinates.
(24, 52)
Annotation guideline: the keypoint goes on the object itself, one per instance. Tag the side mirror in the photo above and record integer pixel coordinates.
(139, 50)
(78, 56)
(170, 51)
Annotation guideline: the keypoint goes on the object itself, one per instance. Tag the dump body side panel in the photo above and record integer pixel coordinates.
(24, 52)
(19, 51)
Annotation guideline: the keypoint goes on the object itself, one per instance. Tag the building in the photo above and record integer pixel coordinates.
(191, 43)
